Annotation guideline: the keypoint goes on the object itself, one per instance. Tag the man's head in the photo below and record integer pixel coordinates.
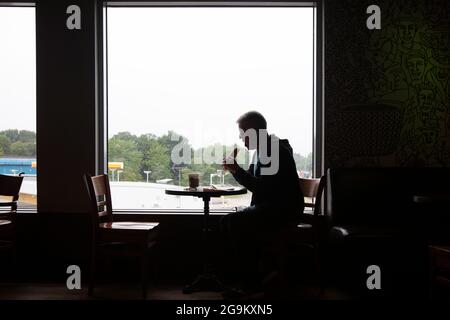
(249, 125)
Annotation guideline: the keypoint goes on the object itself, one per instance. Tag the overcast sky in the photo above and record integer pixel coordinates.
(195, 70)
(192, 70)
(17, 68)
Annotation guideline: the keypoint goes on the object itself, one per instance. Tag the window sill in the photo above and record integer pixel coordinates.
(169, 212)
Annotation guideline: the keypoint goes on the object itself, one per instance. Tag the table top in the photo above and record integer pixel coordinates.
(432, 198)
(437, 248)
(207, 192)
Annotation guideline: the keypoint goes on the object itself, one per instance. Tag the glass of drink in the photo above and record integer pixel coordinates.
(194, 180)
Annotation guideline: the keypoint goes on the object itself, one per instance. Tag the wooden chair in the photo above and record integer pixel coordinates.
(320, 231)
(306, 234)
(312, 190)
(439, 270)
(132, 239)
(10, 188)
(309, 189)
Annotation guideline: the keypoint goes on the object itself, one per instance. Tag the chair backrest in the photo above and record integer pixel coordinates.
(384, 196)
(10, 187)
(319, 194)
(313, 188)
(309, 187)
(380, 196)
(99, 193)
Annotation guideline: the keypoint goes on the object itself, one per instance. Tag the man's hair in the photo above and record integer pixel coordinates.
(253, 119)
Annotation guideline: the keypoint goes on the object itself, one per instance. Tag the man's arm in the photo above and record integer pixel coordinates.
(259, 184)
(252, 183)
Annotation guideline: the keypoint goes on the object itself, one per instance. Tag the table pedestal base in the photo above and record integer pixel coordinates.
(204, 282)
(207, 281)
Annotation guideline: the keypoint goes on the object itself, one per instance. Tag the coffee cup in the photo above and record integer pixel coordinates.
(194, 180)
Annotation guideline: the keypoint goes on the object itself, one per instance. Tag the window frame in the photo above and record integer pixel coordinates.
(27, 208)
(102, 97)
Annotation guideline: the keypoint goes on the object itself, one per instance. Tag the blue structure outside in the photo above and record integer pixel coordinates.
(11, 166)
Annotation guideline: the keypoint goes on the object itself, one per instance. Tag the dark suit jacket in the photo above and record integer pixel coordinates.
(279, 193)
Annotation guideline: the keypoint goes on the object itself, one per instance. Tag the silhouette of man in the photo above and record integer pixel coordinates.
(276, 196)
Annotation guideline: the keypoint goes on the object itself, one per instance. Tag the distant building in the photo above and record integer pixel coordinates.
(15, 166)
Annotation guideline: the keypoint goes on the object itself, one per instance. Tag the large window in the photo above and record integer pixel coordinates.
(178, 76)
(18, 98)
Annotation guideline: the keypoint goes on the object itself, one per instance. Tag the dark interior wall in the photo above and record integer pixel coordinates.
(67, 100)
(405, 64)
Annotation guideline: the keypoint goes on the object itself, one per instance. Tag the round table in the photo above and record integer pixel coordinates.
(432, 199)
(207, 280)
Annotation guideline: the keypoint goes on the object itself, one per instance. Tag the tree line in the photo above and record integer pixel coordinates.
(149, 152)
(17, 143)
(146, 152)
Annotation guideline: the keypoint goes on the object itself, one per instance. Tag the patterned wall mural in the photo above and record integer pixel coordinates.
(406, 65)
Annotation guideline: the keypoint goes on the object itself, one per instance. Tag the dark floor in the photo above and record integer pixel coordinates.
(127, 291)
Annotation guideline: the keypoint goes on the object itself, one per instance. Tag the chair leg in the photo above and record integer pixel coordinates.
(14, 264)
(320, 254)
(320, 274)
(92, 270)
(281, 266)
(155, 272)
(322, 264)
(432, 292)
(144, 275)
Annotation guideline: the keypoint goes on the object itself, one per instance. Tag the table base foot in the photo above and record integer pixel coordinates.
(204, 282)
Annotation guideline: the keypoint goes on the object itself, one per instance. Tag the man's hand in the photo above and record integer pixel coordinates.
(229, 162)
